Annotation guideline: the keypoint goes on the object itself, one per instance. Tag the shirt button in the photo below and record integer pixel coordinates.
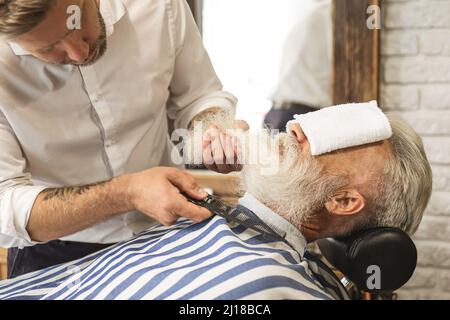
(95, 98)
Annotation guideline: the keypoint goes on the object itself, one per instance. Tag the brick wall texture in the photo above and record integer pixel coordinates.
(415, 80)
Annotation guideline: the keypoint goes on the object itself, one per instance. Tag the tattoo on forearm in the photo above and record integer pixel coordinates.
(66, 192)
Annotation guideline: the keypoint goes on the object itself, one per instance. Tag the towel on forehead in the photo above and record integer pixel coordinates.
(343, 126)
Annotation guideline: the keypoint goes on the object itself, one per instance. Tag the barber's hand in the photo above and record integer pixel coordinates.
(156, 193)
(220, 151)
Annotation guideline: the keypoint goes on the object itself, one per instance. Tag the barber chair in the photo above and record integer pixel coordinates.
(374, 262)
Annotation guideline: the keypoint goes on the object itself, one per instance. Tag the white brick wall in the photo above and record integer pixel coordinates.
(416, 84)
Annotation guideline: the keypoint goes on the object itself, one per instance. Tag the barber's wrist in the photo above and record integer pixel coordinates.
(204, 115)
(121, 194)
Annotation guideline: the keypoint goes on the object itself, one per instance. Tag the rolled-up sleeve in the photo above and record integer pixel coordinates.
(17, 192)
(195, 86)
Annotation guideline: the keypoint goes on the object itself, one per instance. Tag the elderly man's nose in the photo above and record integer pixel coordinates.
(298, 133)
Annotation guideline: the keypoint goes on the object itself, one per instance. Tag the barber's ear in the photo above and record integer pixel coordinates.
(346, 202)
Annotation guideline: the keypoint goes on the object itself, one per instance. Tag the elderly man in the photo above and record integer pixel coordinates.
(385, 183)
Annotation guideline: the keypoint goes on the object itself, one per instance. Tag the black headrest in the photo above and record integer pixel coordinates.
(376, 260)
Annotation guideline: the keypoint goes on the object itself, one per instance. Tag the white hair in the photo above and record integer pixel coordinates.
(300, 186)
(406, 186)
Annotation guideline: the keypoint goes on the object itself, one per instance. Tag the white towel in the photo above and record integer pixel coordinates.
(343, 126)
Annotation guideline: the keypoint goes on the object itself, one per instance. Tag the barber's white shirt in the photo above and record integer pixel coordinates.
(67, 125)
(307, 60)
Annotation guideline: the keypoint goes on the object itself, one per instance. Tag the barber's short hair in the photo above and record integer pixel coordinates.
(405, 188)
(20, 16)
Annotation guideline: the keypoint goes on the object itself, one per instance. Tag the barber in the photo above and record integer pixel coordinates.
(86, 91)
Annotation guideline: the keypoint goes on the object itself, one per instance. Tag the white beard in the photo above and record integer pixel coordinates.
(298, 189)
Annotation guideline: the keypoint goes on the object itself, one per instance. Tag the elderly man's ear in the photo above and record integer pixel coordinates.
(346, 202)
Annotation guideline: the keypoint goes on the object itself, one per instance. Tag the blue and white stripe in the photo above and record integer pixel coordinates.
(210, 260)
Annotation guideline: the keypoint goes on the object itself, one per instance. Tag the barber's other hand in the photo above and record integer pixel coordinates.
(220, 151)
(157, 193)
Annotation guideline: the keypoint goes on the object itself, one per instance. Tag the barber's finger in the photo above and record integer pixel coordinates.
(216, 146)
(207, 156)
(186, 183)
(219, 153)
(206, 139)
(230, 155)
(235, 160)
(235, 144)
(241, 124)
(168, 218)
(231, 158)
(184, 208)
(215, 151)
(210, 135)
(208, 159)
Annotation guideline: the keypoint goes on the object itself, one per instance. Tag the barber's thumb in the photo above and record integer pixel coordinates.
(202, 193)
(197, 193)
(186, 184)
(241, 124)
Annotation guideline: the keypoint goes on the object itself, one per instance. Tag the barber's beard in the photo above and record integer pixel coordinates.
(298, 189)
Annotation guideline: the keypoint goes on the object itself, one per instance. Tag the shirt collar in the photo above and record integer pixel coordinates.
(112, 11)
(293, 236)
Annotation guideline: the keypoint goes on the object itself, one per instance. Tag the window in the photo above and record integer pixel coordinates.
(244, 39)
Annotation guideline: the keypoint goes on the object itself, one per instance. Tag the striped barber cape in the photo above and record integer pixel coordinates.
(210, 260)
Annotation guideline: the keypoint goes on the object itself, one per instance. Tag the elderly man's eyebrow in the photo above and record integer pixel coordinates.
(55, 43)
